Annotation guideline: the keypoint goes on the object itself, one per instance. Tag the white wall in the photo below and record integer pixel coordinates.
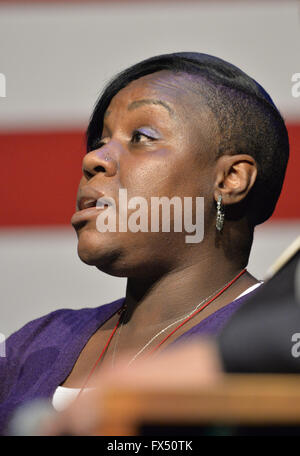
(40, 271)
(56, 58)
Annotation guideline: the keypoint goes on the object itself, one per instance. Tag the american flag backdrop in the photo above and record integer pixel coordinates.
(55, 58)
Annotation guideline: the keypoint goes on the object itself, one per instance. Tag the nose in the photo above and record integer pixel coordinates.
(99, 161)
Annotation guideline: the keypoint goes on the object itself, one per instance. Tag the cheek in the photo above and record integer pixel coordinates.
(145, 175)
(163, 173)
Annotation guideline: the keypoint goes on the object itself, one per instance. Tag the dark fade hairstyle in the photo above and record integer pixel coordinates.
(248, 120)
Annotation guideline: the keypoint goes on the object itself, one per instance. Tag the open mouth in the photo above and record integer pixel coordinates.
(100, 203)
(87, 210)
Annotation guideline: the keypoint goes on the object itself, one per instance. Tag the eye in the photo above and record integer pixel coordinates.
(138, 135)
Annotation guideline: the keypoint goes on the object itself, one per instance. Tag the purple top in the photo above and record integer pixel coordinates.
(41, 355)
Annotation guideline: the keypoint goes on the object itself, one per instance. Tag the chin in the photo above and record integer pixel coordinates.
(96, 248)
(118, 254)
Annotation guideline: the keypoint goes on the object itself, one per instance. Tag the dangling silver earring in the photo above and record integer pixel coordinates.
(220, 214)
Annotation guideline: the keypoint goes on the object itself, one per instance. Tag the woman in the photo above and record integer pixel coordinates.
(184, 125)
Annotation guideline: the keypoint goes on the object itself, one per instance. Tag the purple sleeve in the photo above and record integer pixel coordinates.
(22, 343)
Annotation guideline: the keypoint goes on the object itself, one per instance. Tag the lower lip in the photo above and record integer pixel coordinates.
(85, 214)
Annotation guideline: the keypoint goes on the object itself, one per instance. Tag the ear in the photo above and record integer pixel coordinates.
(234, 178)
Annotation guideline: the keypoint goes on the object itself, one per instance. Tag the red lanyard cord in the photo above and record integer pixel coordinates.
(167, 337)
(197, 311)
(101, 355)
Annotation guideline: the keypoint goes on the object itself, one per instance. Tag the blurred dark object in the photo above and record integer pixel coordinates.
(262, 335)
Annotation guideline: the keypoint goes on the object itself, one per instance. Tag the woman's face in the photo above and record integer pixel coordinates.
(156, 141)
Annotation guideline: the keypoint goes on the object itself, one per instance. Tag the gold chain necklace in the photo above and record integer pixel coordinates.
(164, 329)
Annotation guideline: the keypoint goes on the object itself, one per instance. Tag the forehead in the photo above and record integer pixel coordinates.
(174, 90)
(182, 93)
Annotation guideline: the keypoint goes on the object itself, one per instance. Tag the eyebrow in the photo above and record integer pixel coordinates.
(146, 101)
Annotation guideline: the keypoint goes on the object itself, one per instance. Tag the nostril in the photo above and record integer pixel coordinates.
(100, 169)
(97, 169)
(87, 174)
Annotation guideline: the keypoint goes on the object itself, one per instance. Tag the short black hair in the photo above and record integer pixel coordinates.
(248, 119)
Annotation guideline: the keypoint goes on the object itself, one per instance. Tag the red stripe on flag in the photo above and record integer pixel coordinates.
(39, 176)
(40, 172)
(288, 205)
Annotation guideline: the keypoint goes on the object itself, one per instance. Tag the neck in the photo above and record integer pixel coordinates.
(156, 301)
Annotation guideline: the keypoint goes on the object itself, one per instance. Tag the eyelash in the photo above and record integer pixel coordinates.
(99, 143)
(137, 132)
